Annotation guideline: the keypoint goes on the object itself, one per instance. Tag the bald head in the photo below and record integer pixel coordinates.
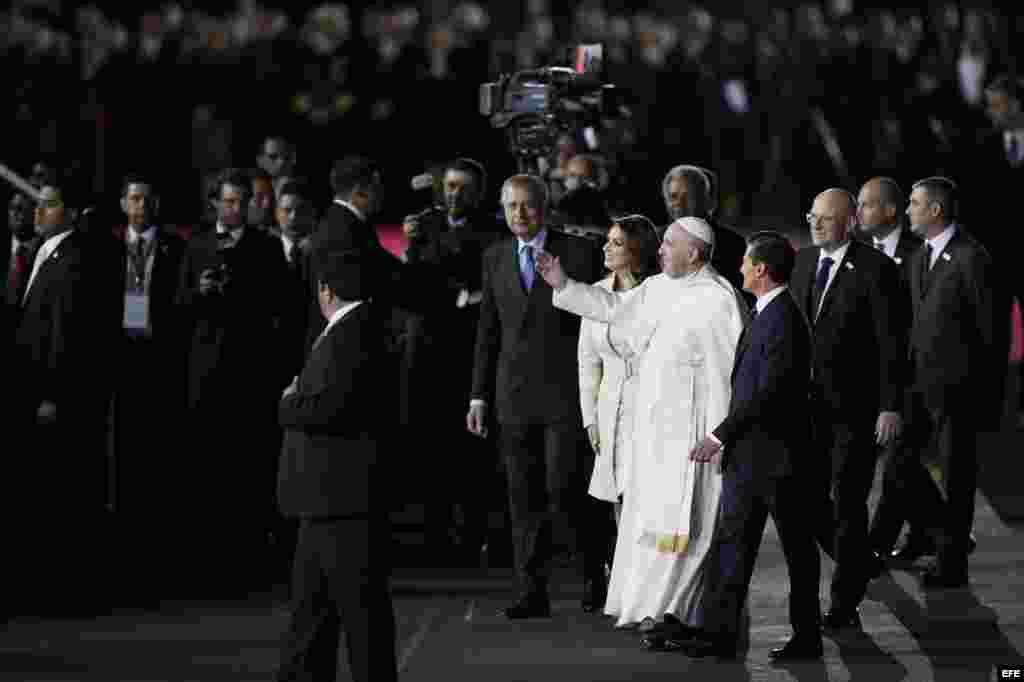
(832, 216)
(878, 206)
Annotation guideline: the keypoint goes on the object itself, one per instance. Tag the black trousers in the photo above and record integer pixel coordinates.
(904, 481)
(745, 506)
(340, 583)
(845, 444)
(548, 466)
(910, 493)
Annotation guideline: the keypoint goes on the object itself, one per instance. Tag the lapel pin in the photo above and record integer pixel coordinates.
(898, 260)
(849, 265)
(945, 257)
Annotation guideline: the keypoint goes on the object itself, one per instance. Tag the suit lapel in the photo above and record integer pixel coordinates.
(839, 281)
(943, 264)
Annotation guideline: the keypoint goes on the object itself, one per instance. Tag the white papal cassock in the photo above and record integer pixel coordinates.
(683, 334)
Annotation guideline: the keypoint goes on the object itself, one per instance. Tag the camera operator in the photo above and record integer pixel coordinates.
(231, 296)
(438, 356)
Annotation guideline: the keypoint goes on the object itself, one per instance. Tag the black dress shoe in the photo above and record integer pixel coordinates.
(595, 594)
(939, 579)
(798, 649)
(705, 648)
(529, 607)
(841, 619)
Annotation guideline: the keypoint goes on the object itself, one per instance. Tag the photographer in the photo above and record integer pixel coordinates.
(231, 297)
(438, 356)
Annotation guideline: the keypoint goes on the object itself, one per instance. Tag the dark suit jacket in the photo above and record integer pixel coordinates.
(168, 260)
(767, 427)
(859, 338)
(232, 334)
(332, 423)
(64, 331)
(954, 327)
(727, 258)
(438, 348)
(525, 363)
(408, 287)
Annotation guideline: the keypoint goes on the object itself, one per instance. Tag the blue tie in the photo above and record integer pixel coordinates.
(526, 267)
(820, 282)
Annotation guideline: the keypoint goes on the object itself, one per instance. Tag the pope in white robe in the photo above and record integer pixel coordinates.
(682, 326)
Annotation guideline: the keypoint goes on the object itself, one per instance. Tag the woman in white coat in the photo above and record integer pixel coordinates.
(607, 383)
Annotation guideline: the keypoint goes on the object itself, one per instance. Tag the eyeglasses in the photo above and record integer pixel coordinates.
(813, 220)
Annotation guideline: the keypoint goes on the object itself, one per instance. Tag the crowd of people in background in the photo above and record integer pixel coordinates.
(169, 306)
(768, 96)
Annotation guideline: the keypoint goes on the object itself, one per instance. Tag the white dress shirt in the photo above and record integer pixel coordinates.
(1014, 136)
(287, 242)
(939, 242)
(336, 317)
(889, 242)
(236, 232)
(837, 257)
(359, 214)
(45, 251)
(764, 299)
(537, 242)
(146, 235)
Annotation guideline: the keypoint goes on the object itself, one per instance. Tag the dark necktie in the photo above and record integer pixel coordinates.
(927, 266)
(18, 275)
(880, 246)
(1013, 154)
(820, 282)
(139, 261)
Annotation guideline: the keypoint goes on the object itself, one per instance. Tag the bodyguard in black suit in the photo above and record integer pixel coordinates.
(437, 368)
(849, 292)
(766, 466)
(955, 371)
(62, 365)
(691, 191)
(879, 208)
(232, 300)
(17, 267)
(149, 393)
(525, 374)
(333, 479)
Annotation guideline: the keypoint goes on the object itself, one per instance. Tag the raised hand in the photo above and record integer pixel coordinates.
(550, 268)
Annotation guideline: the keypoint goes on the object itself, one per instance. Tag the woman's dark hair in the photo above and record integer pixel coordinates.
(644, 240)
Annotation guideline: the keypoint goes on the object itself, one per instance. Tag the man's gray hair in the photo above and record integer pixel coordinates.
(695, 176)
(537, 188)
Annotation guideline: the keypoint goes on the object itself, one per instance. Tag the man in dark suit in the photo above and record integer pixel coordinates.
(231, 297)
(61, 345)
(879, 211)
(295, 217)
(766, 467)
(692, 191)
(954, 371)
(24, 242)
(526, 372)
(330, 478)
(149, 393)
(438, 363)
(846, 291)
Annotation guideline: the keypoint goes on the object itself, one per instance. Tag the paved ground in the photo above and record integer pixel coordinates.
(449, 629)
